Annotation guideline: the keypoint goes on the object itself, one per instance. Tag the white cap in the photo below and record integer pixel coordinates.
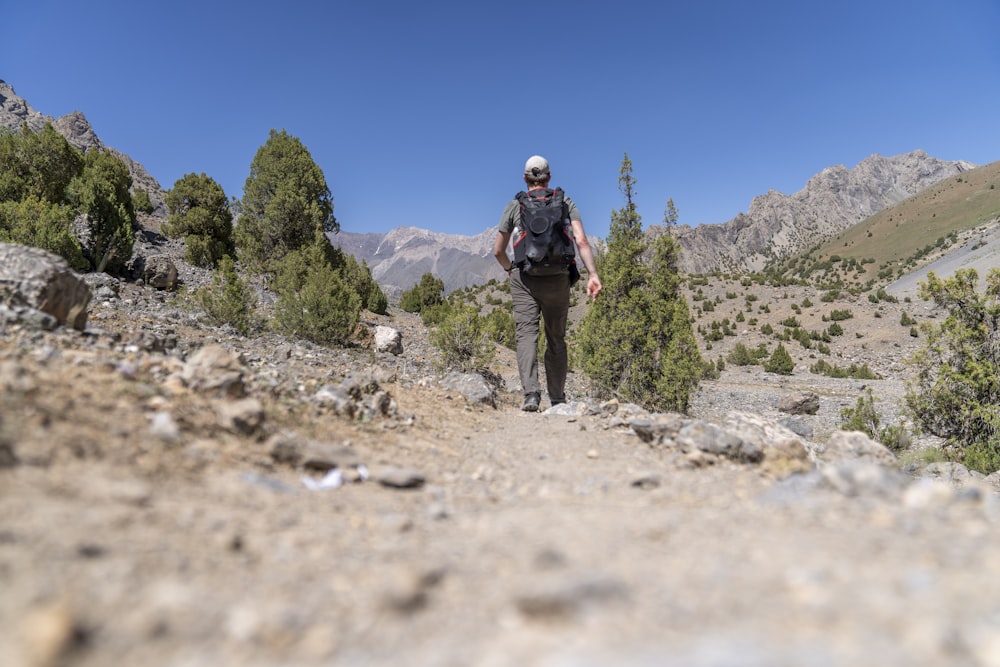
(536, 167)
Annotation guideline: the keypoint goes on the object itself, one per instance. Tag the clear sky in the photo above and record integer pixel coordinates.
(423, 113)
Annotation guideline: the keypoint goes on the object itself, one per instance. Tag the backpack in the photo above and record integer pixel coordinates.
(543, 245)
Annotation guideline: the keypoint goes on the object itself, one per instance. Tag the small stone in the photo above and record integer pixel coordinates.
(399, 478)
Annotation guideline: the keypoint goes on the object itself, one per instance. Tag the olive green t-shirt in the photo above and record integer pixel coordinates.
(512, 215)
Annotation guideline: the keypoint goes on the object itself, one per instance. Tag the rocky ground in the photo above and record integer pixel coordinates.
(174, 494)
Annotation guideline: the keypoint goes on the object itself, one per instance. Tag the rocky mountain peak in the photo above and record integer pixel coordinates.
(777, 225)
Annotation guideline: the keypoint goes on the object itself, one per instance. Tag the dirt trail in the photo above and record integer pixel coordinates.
(536, 540)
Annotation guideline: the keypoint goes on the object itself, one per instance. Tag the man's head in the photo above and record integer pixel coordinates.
(536, 171)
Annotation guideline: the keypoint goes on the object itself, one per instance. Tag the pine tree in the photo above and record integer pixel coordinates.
(199, 212)
(636, 341)
(285, 203)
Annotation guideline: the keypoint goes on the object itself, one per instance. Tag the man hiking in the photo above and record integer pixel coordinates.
(544, 225)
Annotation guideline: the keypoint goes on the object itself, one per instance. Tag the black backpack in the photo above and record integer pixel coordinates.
(544, 244)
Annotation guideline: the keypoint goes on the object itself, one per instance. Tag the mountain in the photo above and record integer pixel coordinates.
(779, 225)
(16, 112)
(399, 258)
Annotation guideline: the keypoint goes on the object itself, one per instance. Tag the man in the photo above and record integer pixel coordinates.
(546, 295)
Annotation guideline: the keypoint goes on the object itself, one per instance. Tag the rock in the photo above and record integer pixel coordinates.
(781, 451)
(245, 416)
(160, 272)
(854, 445)
(555, 600)
(472, 386)
(398, 478)
(388, 340)
(800, 404)
(951, 472)
(713, 439)
(213, 370)
(864, 478)
(42, 281)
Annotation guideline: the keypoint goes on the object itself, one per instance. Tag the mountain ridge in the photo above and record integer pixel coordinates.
(775, 225)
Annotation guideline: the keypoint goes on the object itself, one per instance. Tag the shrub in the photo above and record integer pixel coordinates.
(864, 417)
(42, 224)
(740, 356)
(199, 213)
(101, 192)
(141, 201)
(229, 300)
(955, 392)
(636, 342)
(840, 315)
(905, 320)
(780, 362)
(315, 302)
(428, 292)
(499, 327)
(463, 341)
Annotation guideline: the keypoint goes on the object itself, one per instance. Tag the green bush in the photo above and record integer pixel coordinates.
(780, 362)
(42, 224)
(499, 327)
(956, 392)
(864, 417)
(101, 192)
(855, 371)
(229, 300)
(199, 213)
(315, 302)
(141, 201)
(463, 341)
(428, 292)
(740, 356)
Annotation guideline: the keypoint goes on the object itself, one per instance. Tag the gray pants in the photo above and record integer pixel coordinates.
(547, 296)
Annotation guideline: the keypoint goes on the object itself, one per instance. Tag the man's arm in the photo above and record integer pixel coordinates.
(587, 255)
(500, 250)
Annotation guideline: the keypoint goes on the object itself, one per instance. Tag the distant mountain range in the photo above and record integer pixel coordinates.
(776, 225)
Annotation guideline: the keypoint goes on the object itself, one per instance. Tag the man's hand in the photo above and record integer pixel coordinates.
(593, 287)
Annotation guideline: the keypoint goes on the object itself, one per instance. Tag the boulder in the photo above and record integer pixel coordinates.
(389, 340)
(42, 281)
(800, 404)
(160, 272)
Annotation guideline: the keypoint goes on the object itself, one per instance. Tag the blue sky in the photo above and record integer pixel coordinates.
(423, 113)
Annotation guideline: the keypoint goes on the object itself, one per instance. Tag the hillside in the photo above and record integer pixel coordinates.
(777, 226)
(958, 212)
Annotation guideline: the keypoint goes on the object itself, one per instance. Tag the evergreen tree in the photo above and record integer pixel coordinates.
(315, 301)
(670, 215)
(229, 300)
(42, 224)
(199, 212)
(427, 293)
(40, 163)
(101, 192)
(636, 341)
(285, 203)
(780, 361)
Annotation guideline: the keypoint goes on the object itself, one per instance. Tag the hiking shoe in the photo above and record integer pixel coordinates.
(558, 401)
(531, 402)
